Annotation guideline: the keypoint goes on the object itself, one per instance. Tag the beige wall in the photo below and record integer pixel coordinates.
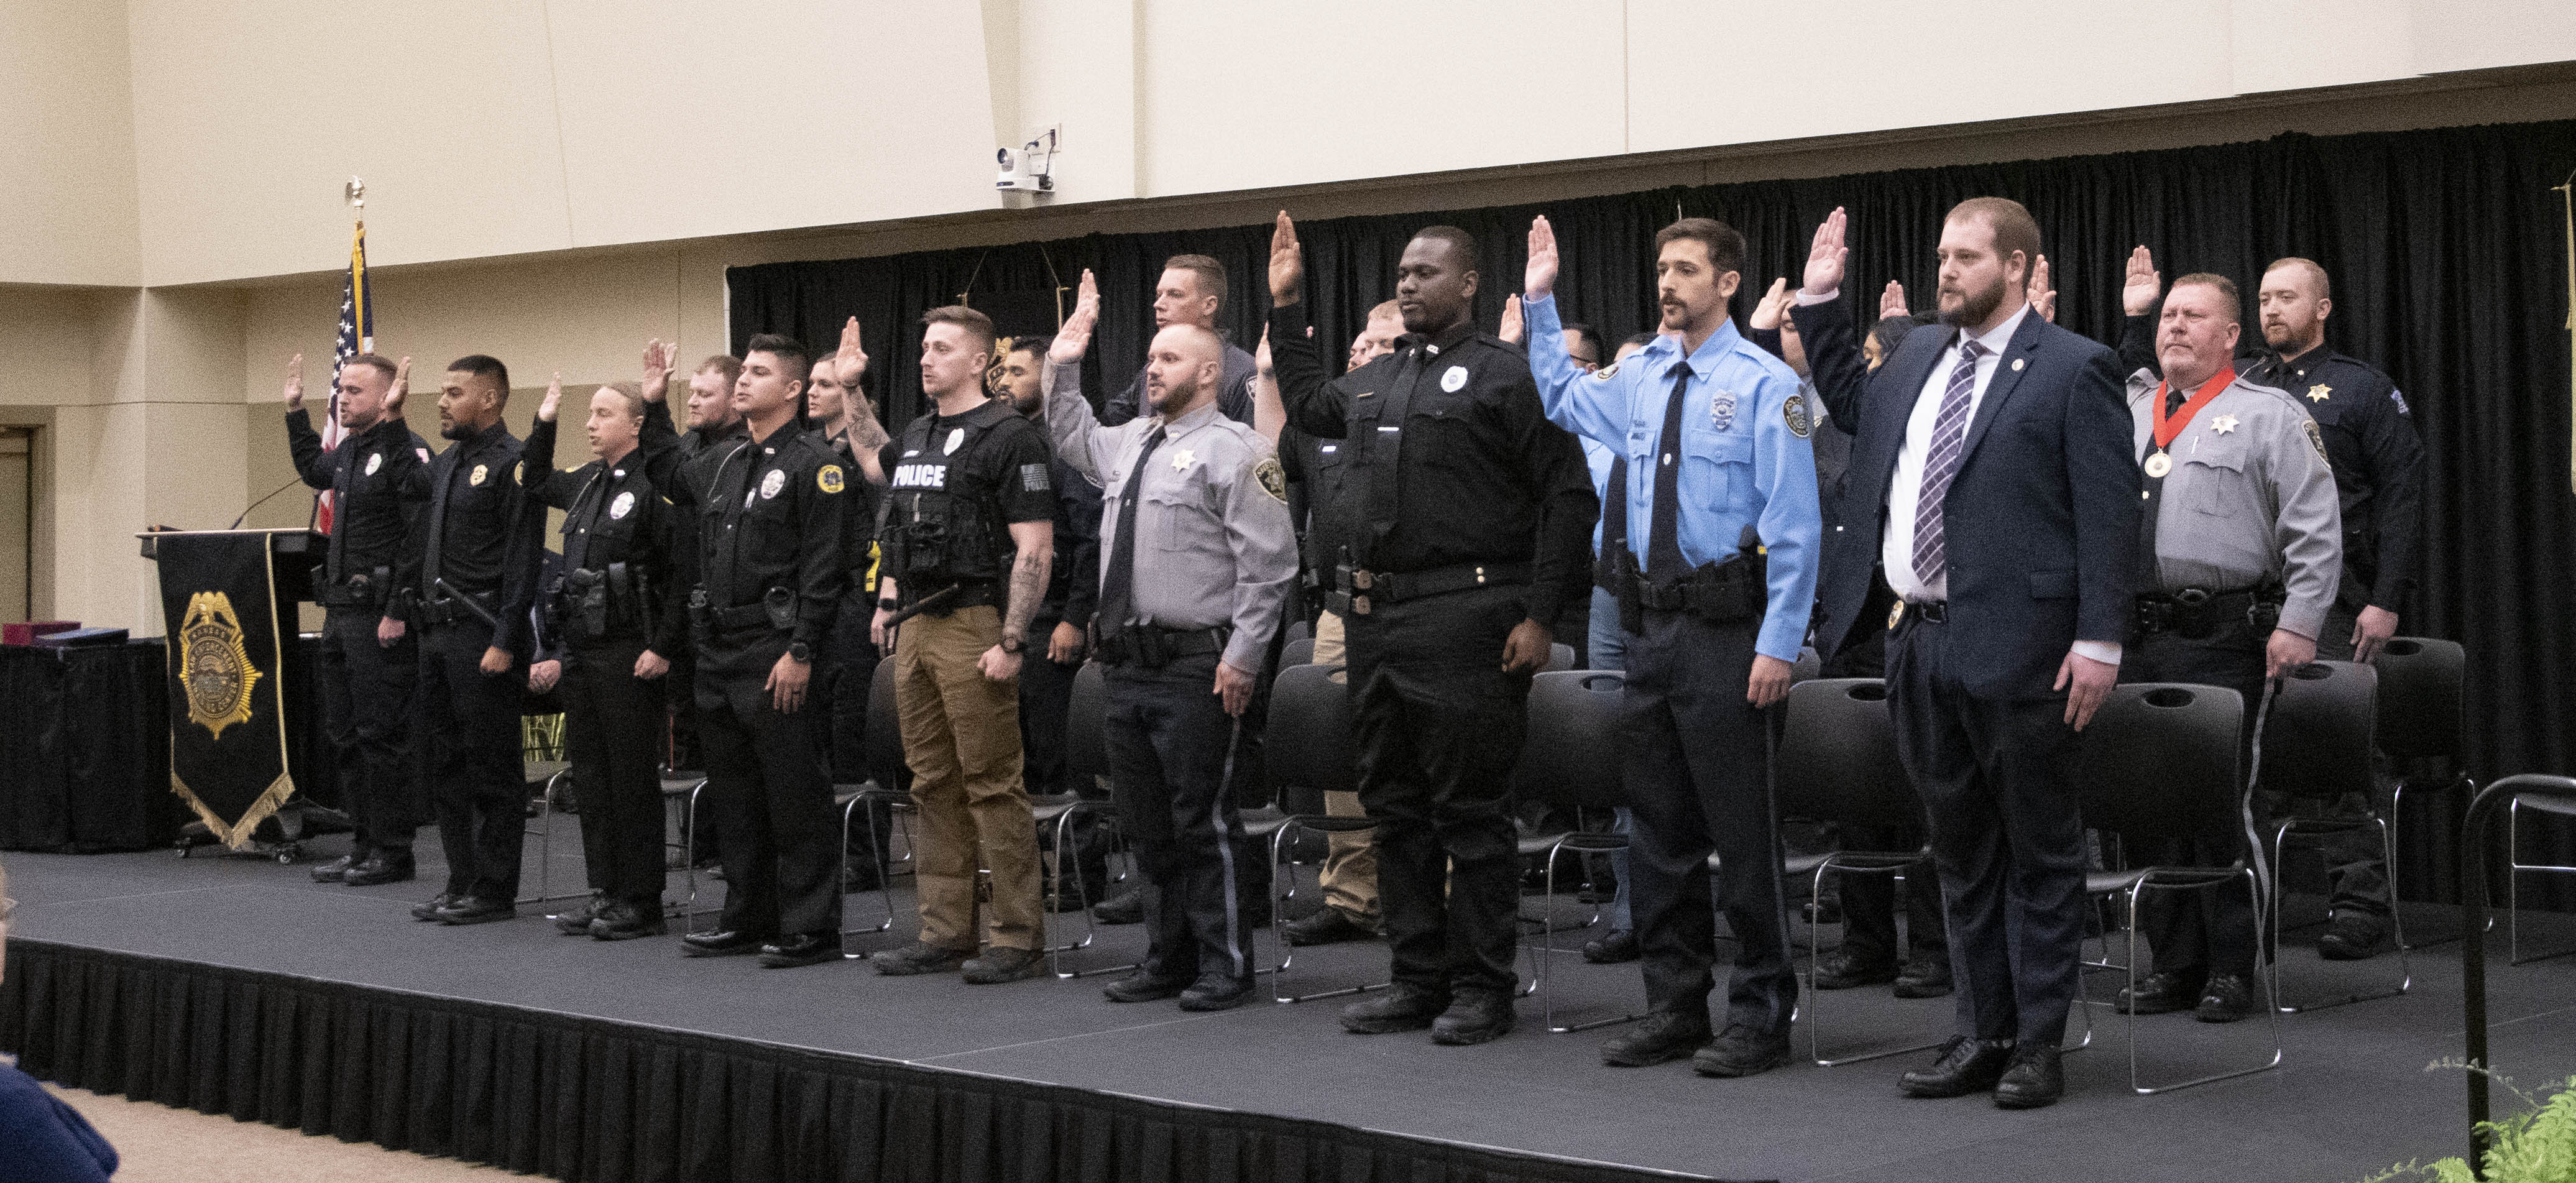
(67, 187)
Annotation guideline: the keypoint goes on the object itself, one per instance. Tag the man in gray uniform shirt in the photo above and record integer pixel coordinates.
(1183, 623)
(2240, 547)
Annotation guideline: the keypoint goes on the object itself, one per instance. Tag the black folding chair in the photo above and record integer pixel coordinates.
(2421, 684)
(1086, 758)
(1571, 761)
(1307, 753)
(2316, 743)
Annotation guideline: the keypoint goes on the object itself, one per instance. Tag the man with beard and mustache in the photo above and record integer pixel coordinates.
(1720, 484)
(1992, 486)
(1191, 292)
(1183, 627)
(1468, 547)
(470, 579)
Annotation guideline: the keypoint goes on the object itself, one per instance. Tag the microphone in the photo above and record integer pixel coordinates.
(245, 513)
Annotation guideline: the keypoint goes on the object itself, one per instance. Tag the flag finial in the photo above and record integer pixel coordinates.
(356, 193)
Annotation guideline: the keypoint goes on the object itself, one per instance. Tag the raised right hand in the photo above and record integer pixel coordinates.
(852, 358)
(553, 401)
(1891, 302)
(1287, 263)
(295, 383)
(1513, 327)
(401, 388)
(657, 368)
(2143, 284)
(1826, 256)
(1540, 280)
(1774, 304)
(1074, 339)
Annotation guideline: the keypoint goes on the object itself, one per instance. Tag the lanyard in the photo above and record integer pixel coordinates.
(2167, 429)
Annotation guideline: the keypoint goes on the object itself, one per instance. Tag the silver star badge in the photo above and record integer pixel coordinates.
(1181, 460)
(2223, 424)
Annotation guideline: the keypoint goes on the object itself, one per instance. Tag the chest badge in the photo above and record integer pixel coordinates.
(1181, 460)
(375, 460)
(2318, 392)
(1721, 410)
(1454, 379)
(771, 482)
(2223, 424)
(619, 508)
(481, 472)
(956, 436)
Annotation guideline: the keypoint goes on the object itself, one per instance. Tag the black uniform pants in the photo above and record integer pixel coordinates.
(1869, 901)
(1699, 777)
(2209, 931)
(613, 734)
(366, 712)
(2006, 836)
(1167, 736)
(838, 696)
(1438, 727)
(772, 796)
(2356, 864)
(468, 725)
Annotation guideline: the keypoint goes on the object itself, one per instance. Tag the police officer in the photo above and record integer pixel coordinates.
(2238, 555)
(470, 580)
(845, 423)
(1719, 472)
(1469, 549)
(970, 504)
(710, 419)
(1184, 623)
(616, 611)
(368, 661)
(770, 577)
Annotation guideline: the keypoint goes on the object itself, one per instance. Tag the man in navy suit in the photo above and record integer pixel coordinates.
(1991, 491)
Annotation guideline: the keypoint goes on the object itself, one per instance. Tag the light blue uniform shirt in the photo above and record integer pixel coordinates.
(1745, 459)
(1598, 459)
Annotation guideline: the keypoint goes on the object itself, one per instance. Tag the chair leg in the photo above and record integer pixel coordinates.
(1815, 997)
(849, 811)
(2271, 920)
(2397, 899)
(2266, 970)
(689, 856)
(1090, 928)
(1281, 869)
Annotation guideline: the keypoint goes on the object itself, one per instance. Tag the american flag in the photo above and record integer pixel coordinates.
(357, 335)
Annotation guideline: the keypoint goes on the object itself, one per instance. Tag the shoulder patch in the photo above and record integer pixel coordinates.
(1274, 479)
(1795, 411)
(828, 478)
(2393, 396)
(2316, 439)
(1604, 373)
(1034, 478)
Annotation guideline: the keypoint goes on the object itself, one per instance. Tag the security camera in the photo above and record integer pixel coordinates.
(1028, 168)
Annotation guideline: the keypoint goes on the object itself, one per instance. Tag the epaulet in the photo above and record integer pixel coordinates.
(2285, 398)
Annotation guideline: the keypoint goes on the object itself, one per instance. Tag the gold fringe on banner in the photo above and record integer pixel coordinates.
(235, 837)
(2567, 199)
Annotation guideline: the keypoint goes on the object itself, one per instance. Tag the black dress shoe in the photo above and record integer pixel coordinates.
(1328, 926)
(2227, 998)
(2354, 936)
(918, 958)
(625, 920)
(380, 867)
(1216, 991)
(721, 944)
(430, 909)
(1127, 907)
(1400, 1008)
(1924, 977)
(804, 948)
(330, 872)
(1611, 948)
(1966, 1066)
(2159, 993)
(1742, 1051)
(1845, 970)
(469, 910)
(575, 921)
(1143, 987)
(1660, 1036)
(1825, 911)
(2035, 1078)
(1473, 1017)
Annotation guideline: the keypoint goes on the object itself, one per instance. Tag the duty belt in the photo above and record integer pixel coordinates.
(1362, 589)
(1153, 648)
(434, 610)
(776, 611)
(362, 590)
(2198, 611)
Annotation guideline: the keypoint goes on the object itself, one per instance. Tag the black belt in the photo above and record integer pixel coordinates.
(352, 595)
(1930, 612)
(1361, 589)
(1153, 648)
(2198, 611)
(453, 609)
(980, 593)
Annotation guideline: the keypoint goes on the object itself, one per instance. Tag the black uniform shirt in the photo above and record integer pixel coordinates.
(616, 514)
(371, 521)
(1316, 501)
(1482, 476)
(2378, 466)
(773, 518)
(1073, 582)
(475, 534)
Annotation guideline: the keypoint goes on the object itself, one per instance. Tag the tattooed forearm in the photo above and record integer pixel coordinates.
(1028, 586)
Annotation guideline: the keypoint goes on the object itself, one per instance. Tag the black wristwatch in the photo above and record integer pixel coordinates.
(1013, 643)
(889, 604)
(801, 651)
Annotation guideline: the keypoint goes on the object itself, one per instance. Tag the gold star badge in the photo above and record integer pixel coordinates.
(2223, 424)
(2318, 392)
(1181, 460)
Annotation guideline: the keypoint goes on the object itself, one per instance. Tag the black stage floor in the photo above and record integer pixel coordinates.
(2352, 1096)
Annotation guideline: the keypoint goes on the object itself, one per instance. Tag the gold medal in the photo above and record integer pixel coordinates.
(2159, 464)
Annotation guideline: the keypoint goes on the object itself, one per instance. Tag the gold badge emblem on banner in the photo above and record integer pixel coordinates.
(214, 664)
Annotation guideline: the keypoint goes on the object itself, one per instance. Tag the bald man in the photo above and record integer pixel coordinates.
(1183, 626)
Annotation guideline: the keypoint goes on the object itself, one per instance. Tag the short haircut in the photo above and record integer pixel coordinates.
(1210, 273)
(2325, 286)
(1640, 340)
(793, 361)
(2015, 229)
(484, 365)
(1458, 240)
(1725, 246)
(1587, 332)
(632, 392)
(725, 364)
(378, 360)
(1030, 344)
(2224, 286)
(975, 323)
(1384, 308)
(1890, 332)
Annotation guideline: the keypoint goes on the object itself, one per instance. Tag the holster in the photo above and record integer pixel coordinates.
(780, 603)
(1719, 593)
(2198, 612)
(1153, 648)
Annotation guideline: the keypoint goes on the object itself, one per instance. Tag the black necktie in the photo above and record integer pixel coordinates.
(1118, 578)
(2151, 503)
(1664, 530)
(333, 571)
(429, 567)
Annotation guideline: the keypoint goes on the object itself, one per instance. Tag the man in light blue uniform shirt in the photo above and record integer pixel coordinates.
(1721, 492)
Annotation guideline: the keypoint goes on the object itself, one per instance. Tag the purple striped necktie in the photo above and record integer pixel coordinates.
(1941, 464)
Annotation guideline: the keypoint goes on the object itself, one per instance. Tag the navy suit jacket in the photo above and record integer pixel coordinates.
(2040, 523)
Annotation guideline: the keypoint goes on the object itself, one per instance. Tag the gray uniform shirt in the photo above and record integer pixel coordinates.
(1214, 544)
(2250, 500)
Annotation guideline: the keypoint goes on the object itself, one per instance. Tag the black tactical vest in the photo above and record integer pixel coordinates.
(938, 533)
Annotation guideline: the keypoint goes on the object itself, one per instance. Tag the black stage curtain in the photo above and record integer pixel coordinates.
(591, 1099)
(2444, 245)
(85, 754)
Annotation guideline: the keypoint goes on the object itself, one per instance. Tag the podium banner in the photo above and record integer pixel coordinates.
(227, 687)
